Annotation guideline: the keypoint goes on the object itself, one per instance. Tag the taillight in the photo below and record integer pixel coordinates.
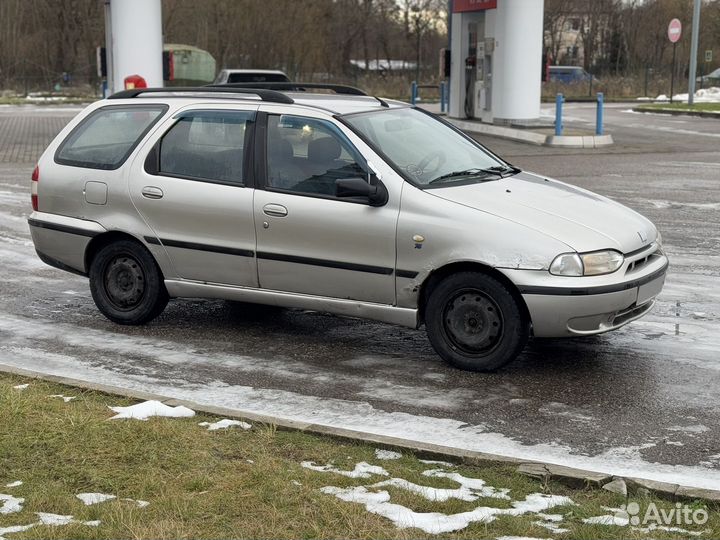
(34, 188)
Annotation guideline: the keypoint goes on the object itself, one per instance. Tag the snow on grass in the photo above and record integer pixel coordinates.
(21, 386)
(94, 498)
(387, 454)
(53, 519)
(471, 489)
(224, 424)
(361, 470)
(16, 483)
(66, 399)
(551, 527)
(14, 529)
(146, 409)
(436, 462)
(10, 504)
(138, 502)
(436, 522)
(608, 519)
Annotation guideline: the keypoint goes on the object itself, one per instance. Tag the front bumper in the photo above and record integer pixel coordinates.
(558, 311)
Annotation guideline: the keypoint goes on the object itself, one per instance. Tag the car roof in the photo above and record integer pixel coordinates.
(261, 71)
(336, 104)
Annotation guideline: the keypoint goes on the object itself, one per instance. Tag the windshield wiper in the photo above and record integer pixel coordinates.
(497, 170)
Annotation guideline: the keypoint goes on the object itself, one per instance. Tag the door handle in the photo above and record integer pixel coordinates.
(275, 210)
(152, 192)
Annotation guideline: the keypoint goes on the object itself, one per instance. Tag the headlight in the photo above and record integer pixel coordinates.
(587, 264)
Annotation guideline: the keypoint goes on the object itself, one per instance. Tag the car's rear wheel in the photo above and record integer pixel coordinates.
(126, 283)
(474, 322)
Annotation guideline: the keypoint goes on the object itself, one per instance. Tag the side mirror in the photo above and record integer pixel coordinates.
(359, 190)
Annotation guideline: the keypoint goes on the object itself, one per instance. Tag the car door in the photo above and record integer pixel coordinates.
(308, 240)
(193, 192)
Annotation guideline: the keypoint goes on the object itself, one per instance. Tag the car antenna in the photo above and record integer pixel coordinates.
(383, 103)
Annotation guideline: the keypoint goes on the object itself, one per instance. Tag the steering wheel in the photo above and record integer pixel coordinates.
(436, 156)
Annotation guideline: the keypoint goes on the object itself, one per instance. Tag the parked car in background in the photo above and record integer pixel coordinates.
(569, 74)
(346, 203)
(250, 76)
(711, 79)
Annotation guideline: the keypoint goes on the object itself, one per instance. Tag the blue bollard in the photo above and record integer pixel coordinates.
(599, 115)
(443, 90)
(413, 92)
(559, 100)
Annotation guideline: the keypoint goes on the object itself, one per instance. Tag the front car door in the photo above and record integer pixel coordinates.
(193, 192)
(308, 240)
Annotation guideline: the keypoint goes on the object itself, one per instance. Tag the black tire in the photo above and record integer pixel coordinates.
(126, 283)
(474, 322)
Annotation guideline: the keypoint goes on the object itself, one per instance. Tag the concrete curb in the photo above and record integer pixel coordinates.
(514, 134)
(533, 137)
(675, 112)
(573, 477)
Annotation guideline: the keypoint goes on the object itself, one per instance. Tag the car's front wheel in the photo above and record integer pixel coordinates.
(126, 283)
(474, 322)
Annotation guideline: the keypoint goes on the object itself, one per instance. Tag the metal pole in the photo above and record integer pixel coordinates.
(413, 92)
(599, 114)
(672, 75)
(558, 114)
(694, 51)
(442, 96)
(109, 49)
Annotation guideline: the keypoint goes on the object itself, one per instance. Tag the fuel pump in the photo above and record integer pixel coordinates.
(483, 77)
(470, 70)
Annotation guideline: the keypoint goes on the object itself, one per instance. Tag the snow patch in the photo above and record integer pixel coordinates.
(10, 504)
(435, 522)
(387, 454)
(146, 409)
(53, 519)
(361, 470)
(14, 529)
(94, 498)
(21, 386)
(16, 483)
(66, 399)
(436, 462)
(224, 424)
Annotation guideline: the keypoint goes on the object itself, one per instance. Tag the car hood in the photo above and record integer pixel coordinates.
(579, 218)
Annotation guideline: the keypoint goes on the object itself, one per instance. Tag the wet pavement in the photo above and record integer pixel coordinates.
(644, 398)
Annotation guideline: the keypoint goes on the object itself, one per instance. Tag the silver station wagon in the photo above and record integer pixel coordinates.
(337, 202)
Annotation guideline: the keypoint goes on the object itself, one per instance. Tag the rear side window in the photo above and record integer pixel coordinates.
(105, 139)
(256, 77)
(207, 145)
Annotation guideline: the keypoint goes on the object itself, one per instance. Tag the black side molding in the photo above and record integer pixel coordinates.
(406, 274)
(325, 263)
(587, 291)
(61, 228)
(199, 247)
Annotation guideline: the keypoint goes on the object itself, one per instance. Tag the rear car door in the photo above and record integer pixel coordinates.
(192, 189)
(308, 240)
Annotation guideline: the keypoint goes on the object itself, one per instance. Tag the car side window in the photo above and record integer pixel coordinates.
(105, 139)
(307, 156)
(206, 145)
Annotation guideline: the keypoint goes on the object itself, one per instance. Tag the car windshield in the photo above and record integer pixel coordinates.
(427, 151)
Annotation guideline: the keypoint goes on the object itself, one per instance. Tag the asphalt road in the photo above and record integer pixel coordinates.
(642, 399)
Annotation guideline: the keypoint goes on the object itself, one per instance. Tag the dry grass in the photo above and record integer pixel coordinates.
(228, 483)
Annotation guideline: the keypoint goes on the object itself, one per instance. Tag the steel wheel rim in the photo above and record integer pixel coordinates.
(473, 322)
(124, 281)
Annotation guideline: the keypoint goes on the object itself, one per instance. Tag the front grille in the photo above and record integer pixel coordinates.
(643, 259)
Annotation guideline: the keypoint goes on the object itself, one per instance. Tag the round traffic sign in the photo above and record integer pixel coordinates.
(674, 30)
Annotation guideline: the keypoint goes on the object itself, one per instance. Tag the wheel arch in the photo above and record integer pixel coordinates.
(437, 275)
(107, 238)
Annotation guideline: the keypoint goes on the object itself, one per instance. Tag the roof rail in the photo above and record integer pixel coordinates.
(263, 93)
(295, 87)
